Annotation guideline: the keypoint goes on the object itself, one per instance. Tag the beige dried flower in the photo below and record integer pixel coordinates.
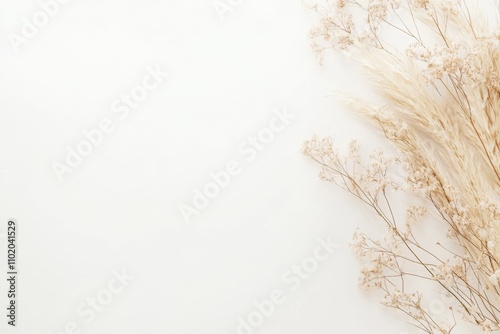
(441, 110)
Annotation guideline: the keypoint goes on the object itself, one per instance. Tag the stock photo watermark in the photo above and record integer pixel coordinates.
(88, 310)
(292, 279)
(121, 107)
(223, 7)
(12, 272)
(31, 26)
(248, 150)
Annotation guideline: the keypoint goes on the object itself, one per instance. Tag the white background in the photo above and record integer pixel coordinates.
(120, 207)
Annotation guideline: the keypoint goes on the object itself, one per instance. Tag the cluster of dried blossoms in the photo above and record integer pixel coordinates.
(440, 83)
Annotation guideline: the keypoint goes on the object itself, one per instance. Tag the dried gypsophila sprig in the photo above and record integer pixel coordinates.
(442, 113)
(400, 254)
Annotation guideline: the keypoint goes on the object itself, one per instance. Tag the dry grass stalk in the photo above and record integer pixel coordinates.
(441, 88)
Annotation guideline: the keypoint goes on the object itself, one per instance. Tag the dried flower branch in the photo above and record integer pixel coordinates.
(442, 111)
